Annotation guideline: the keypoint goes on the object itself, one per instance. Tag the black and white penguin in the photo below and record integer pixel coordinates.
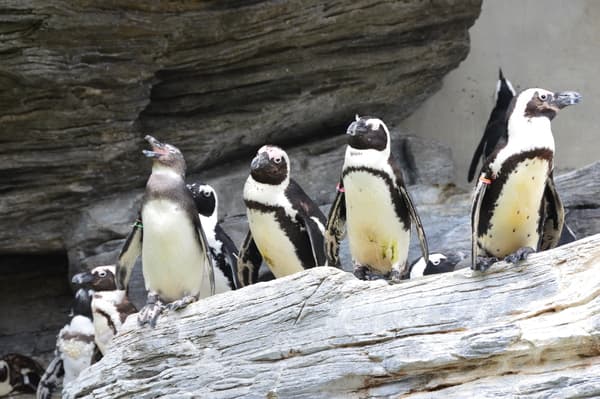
(75, 348)
(438, 263)
(495, 129)
(516, 209)
(176, 262)
(19, 373)
(285, 225)
(109, 307)
(222, 248)
(373, 202)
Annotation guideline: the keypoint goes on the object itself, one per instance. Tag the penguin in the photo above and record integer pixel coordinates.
(438, 263)
(176, 261)
(516, 209)
(374, 203)
(495, 129)
(223, 250)
(75, 348)
(19, 373)
(109, 307)
(285, 225)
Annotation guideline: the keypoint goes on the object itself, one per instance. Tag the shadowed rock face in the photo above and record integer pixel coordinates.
(81, 84)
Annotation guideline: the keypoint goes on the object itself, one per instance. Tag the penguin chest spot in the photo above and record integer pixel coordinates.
(376, 235)
(276, 248)
(515, 219)
(173, 263)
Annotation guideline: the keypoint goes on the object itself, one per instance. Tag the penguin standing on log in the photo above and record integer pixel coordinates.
(285, 225)
(373, 202)
(177, 265)
(19, 373)
(516, 209)
(110, 307)
(495, 130)
(222, 248)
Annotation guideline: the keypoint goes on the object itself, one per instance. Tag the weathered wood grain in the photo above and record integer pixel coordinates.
(528, 331)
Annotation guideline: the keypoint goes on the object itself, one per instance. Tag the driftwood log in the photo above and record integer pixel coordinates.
(526, 331)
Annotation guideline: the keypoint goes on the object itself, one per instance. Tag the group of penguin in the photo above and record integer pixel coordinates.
(186, 255)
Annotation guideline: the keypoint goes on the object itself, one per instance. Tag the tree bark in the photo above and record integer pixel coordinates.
(531, 330)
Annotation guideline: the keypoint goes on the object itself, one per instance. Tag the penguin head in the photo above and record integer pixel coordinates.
(4, 371)
(82, 305)
(101, 278)
(205, 198)
(542, 103)
(504, 91)
(368, 133)
(271, 165)
(165, 155)
(438, 263)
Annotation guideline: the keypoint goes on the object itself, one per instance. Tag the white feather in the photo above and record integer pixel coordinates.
(5, 387)
(106, 302)
(76, 353)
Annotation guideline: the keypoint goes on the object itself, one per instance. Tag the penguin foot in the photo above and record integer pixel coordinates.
(519, 255)
(150, 312)
(396, 276)
(182, 302)
(365, 273)
(483, 263)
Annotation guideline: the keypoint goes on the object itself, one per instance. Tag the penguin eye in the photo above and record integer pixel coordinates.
(277, 160)
(206, 193)
(102, 274)
(543, 97)
(436, 262)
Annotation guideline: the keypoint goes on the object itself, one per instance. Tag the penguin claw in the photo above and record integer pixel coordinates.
(484, 263)
(181, 303)
(360, 272)
(150, 312)
(519, 255)
(395, 276)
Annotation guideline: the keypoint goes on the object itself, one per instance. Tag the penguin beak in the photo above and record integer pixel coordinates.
(157, 147)
(259, 161)
(565, 98)
(82, 278)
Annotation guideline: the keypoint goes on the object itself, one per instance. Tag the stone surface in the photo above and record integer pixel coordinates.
(531, 330)
(82, 83)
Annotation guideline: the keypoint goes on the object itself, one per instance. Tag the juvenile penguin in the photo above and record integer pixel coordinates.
(438, 263)
(495, 129)
(109, 307)
(177, 266)
(223, 250)
(75, 348)
(516, 209)
(285, 225)
(373, 202)
(19, 373)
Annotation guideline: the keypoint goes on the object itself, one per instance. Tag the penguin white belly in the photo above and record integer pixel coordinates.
(173, 265)
(516, 216)
(276, 248)
(76, 346)
(5, 387)
(376, 236)
(103, 333)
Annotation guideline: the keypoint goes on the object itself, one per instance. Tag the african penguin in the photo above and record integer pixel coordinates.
(19, 373)
(109, 306)
(438, 263)
(285, 225)
(495, 129)
(75, 348)
(222, 248)
(516, 209)
(372, 201)
(176, 263)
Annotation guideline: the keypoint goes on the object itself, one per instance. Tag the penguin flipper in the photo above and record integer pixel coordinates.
(205, 250)
(317, 241)
(335, 229)
(552, 224)
(129, 253)
(416, 220)
(230, 253)
(249, 261)
(475, 209)
(477, 156)
(51, 379)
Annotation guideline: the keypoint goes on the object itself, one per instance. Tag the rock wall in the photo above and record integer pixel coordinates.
(81, 84)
